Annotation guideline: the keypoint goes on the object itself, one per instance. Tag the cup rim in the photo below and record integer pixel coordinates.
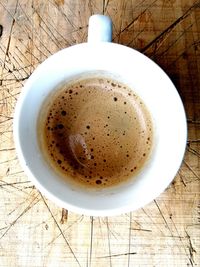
(18, 140)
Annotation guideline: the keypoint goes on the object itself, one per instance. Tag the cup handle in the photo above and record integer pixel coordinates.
(100, 29)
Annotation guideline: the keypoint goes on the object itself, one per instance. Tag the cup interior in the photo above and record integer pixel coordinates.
(149, 82)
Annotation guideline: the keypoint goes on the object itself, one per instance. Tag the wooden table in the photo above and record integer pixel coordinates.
(34, 232)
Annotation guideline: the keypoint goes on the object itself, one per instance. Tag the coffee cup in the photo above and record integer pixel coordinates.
(113, 74)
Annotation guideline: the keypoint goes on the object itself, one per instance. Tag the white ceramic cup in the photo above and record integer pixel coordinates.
(149, 82)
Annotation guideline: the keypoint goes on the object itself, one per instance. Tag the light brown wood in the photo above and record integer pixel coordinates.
(36, 232)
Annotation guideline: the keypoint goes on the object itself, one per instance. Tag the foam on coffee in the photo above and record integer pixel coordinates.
(97, 132)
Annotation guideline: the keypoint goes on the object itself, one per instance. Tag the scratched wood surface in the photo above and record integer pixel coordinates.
(34, 231)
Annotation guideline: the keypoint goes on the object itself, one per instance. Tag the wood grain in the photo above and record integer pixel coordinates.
(33, 230)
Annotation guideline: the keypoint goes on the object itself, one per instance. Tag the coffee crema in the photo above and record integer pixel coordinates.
(95, 132)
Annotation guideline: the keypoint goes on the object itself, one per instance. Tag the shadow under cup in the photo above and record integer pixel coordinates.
(150, 83)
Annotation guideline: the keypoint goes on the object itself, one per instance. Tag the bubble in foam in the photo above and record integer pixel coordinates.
(113, 84)
(115, 98)
(59, 161)
(98, 181)
(63, 113)
(88, 126)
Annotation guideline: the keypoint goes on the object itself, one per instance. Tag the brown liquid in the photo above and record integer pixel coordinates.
(96, 132)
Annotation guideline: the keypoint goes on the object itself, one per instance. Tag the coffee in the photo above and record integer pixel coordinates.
(95, 132)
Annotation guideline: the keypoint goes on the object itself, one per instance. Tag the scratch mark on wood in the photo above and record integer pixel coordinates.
(7, 149)
(152, 220)
(69, 226)
(140, 229)
(10, 72)
(129, 239)
(38, 60)
(173, 43)
(193, 141)
(1, 30)
(192, 250)
(182, 178)
(60, 230)
(178, 234)
(4, 184)
(50, 31)
(103, 7)
(24, 211)
(9, 38)
(135, 19)
(193, 151)
(9, 160)
(108, 234)
(181, 56)
(64, 14)
(64, 216)
(168, 30)
(117, 255)
(16, 79)
(91, 238)
(160, 211)
(28, 31)
(7, 184)
(106, 6)
(188, 166)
